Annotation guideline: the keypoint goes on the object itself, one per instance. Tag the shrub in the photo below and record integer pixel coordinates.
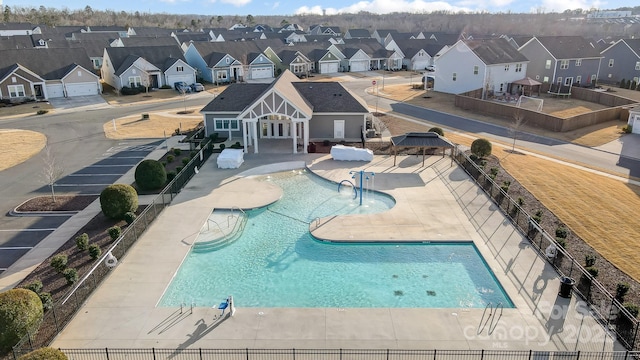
(193, 154)
(627, 129)
(117, 200)
(494, 171)
(45, 353)
(520, 201)
(185, 161)
(94, 251)
(46, 299)
(562, 232)
(537, 217)
(59, 262)
(178, 169)
(35, 286)
(505, 185)
(213, 137)
(437, 130)
(326, 142)
(589, 260)
(593, 271)
(176, 151)
(150, 175)
(114, 232)
(82, 241)
(71, 275)
(481, 148)
(165, 87)
(170, 158)
(621, 291)
(632, 308)
(562, 242)
(20, 313)
(42, 112)
(222, 146)
(129, 217)
(623, 82)
(171, 175)
(164, 164)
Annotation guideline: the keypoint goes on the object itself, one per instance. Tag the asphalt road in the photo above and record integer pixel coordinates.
(89, 161)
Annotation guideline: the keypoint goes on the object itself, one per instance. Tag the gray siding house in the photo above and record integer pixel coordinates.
(562, 60)
(286, 109)
(621, 61)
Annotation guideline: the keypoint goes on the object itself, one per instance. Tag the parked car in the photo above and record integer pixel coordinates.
(430, 68)
(182, 86)
(197, 87)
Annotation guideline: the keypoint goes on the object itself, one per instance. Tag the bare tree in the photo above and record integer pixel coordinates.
(51, 171)
(516, 127)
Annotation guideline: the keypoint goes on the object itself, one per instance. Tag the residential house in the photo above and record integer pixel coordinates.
(152, 66)
(364, 55)
(286, 109)
(120, 30)
(381, 34)
(351, 58)
(416, 54)
(621, 61)
(12, 29)
(357, 34)
(490, 65)
(46, 73)
(562, 60)
(325, 30)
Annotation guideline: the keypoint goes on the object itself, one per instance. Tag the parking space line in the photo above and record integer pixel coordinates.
(71, 185)
(98, 174)
(21, 230)
(16, 248)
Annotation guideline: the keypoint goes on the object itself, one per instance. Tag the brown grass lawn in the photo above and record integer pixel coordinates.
(18, 146)
(592, 136)
(158, 125)
(594, 207)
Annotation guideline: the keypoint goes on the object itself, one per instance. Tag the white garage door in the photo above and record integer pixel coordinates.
(329, 68)
(55, 91)
(261, 73)
(635, 127)
(420, 65)
(359, 66)
(172, 79)
(82, 89)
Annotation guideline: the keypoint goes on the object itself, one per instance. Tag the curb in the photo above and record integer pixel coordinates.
(18, 213)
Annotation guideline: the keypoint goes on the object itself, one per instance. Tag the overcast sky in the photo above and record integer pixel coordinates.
(288, 7)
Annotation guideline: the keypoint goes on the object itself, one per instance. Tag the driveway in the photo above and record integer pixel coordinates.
(78, 102)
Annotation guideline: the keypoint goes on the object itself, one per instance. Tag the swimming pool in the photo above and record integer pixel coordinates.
(277, 263)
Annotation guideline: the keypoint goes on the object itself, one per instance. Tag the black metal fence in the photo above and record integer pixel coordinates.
(55, 319)
(605, 307)
(339, 354)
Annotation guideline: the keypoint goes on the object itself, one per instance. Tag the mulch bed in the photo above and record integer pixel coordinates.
(61, 203)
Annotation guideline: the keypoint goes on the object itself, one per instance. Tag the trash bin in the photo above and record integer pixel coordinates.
(566, 285)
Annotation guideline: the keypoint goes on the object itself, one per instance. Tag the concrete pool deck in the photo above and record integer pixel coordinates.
(434, 202)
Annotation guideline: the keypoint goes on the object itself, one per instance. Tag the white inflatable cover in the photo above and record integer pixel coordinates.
(230, 158)
(349, 153)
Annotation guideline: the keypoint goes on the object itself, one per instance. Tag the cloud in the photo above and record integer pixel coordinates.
(560, 6)
(276, 5)
(385, 7)
(236, 3)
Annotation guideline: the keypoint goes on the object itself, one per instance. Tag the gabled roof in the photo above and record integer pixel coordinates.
(148, 41)
(410, 47)
(16, 26)
(330, 97)
(106, 28)
(153, 31)
(243, 51)
(569, 47)
(359, 33)
(94, 48)
(235, 97)
(495, 51)
(634, 44)
(104, 36)
(192, 36)
(16, 42)
(123, 57)
(288, 56)
(50, 64)
(370, 47)
(441, 37)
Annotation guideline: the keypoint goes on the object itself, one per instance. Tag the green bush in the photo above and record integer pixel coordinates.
(562, 242)
(622, 84)
(193, 154)
(46, 299)
(589, 260)
(481, 148)
(627, 129)
(117, 200)
(59, 262)
(632, 308)
(178, 169)
(42, 112)
(213, 137)
(165, 87)
(164, 164)
(437, 130)
(185, 161)
(171, 175)
(593, 271)
(20, 313)
(520, 201)
(505, 185)
(35, 286)
(621, 291)
(94, 251)
(45, 353)
(494, 171)
(114, 232)
(82, 241)
(150, 175)
(71, 275)
(170, 158)
(562, 232)
(129, 217)
(538, 216)
(176, 151)
(222, 146)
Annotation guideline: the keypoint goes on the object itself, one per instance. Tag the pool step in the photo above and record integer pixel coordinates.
(221, 229)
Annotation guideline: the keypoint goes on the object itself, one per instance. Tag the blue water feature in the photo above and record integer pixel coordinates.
(277, 263)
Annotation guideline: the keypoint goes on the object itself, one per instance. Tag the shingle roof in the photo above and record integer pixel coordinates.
(495, 51)
(235, 98)
(152, 31)
(50, 64)
(148, 41)
(410, 47)
(421, 139)
(634, 44)
(329, 97)
(123, 57)
(359, 33)
(16, 42)
(569, 47)
(16, 26)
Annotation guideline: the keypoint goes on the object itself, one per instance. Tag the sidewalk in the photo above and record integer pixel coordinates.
(49, 245)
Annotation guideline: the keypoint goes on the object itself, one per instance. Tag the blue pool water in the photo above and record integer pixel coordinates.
(276, 262)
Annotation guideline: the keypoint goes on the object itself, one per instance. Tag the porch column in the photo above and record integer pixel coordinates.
(305, 145)
(255, 136)
(294, 135)
(244, 136)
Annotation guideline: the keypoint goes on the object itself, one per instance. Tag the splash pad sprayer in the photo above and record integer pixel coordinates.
(364, 175)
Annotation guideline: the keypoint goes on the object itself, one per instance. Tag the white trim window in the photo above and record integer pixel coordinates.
(547, 64)
(226, 124)
(16, 91)
(221, 75)
(610, 62)
(506, 67)
(454, 77)
(578, 79)
(564, 64)
(297, 68)
(518, 67)
(476, 69)
(578, 62)
(179, 68)
(637, 65)
(135, 81)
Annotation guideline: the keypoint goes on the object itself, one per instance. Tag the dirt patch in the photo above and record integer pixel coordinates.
(157, 126)
(61, 203)
(17, 146)
(27, 109)
(567, 113)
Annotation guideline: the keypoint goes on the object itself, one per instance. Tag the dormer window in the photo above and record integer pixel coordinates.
(227, 61)
(180, 68)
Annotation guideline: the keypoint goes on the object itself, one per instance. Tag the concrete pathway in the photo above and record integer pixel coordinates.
(123, 312)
